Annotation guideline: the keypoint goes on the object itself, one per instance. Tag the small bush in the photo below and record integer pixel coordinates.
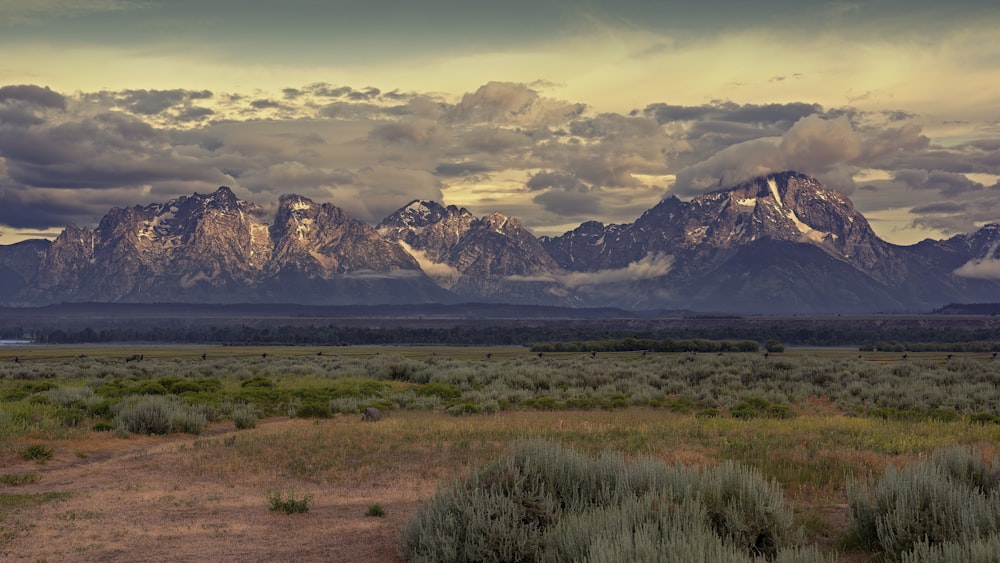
(981, 549)
(102, 427)
(244, 417)
(148, 415)
(441, 390)
(375, 511)
(37, 452)
(153, 414)
(187, 420)
(12, 480)
(756, 407)
(258, 381)
(288, 504)
(543, 502)
(313, 410)
(951, 497)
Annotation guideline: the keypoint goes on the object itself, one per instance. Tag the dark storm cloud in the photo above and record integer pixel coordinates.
(728, 111)
(350, 110)
(614, 125)
(264, 104)
(19, 117)
(52, 162)
(327, 91)
(569, 203)
(194, 114)
(940, 207)
(966, 215)
(460, 169)
(492, 140)
(24, 208)
(412, 131)
(548, 179)
(149, 102)
(369, 93)
(945, 183)
(34, 95)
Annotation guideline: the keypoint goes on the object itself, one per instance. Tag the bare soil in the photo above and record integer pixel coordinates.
(136, 500)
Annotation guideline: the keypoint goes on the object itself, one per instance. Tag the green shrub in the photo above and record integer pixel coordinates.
(951, 497)
(102, 426)
(979, 550)
(154, 414)
(375, 511)
(462, 408)
(442, 390)
(746, 509)
(313, 410)
(244, 417)
(12, 480)
(188, 420)
(646, 528)
(757, 407)
(289, 504)
(151, 388)
(183, 386)
(258, 381)
(37, 452)
(543, 502)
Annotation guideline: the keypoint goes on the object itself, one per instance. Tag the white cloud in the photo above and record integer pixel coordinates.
(443, 274)
(983, 269)
(653, 265)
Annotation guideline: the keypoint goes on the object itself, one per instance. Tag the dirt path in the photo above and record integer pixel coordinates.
(135, 500)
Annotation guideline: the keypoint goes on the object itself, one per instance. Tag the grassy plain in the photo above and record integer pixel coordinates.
(111, 495)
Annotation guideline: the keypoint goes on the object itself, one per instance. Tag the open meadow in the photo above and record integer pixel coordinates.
(149, 453)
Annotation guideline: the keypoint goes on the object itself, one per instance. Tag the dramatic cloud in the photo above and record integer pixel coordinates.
(831, 149)
(33, 95)
(502, 147)
(945, 183)
(506, 102)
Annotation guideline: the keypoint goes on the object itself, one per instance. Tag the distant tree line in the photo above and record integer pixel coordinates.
(977, 346)
(887, 336)
(631, 344)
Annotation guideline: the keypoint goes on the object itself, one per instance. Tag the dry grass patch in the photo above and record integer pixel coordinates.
(143, 494)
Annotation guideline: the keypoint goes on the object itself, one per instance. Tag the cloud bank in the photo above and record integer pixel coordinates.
(69, 157)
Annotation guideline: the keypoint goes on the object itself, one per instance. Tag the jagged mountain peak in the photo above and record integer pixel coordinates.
(780, 242)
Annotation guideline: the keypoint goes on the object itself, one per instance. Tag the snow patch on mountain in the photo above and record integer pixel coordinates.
(773, 185)
(807, 231)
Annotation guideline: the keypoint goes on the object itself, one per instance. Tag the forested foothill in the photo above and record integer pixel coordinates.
(481, 325)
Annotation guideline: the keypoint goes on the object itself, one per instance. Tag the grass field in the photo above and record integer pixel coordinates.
(809, 419)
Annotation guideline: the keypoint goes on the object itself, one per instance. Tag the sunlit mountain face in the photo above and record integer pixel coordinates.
(776, 244)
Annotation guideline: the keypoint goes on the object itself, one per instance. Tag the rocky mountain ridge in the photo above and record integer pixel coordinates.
(777, 244)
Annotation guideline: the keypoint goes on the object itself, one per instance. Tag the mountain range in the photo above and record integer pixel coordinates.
(778, 244)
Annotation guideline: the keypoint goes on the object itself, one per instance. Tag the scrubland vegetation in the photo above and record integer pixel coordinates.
(578, 456)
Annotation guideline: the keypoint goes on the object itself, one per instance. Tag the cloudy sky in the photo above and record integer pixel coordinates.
(554, 111)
